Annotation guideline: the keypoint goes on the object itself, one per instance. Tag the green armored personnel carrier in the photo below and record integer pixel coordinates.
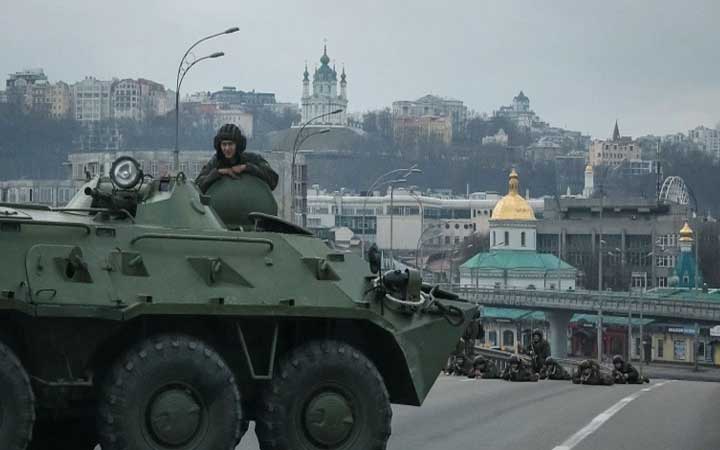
(136, 318)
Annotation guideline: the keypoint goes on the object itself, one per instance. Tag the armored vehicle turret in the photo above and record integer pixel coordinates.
(134, 317)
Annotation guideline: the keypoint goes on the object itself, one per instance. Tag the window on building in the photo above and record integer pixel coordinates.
(662, 282)
(508, 338)
(522, 239)
(660, 348)
(680, 349)
(507, 239)
(492, 337)
(701, 350)
(447, 240)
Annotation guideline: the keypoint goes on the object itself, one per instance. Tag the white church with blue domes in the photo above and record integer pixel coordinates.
(324, 97)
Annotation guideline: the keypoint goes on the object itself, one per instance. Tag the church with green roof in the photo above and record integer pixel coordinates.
(513, 261)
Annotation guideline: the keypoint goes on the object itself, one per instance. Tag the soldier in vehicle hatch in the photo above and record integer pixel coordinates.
(625, 373)
(539, 350)
(589, 372)
(553, 370)
(231, 160)
(482, 368)
(518, 370)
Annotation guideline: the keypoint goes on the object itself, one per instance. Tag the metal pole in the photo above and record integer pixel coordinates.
(642, 334)
(600, 247)
(392, 215)
(178, 83)
(294, 153)
(599, 336)
(630, 341)
(696, 346)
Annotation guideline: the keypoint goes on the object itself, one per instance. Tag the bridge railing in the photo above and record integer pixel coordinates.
(587, 301)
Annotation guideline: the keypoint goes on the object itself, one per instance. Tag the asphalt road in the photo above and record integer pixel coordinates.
(466, 414)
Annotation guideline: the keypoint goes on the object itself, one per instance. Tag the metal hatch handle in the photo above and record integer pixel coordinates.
(195, 237)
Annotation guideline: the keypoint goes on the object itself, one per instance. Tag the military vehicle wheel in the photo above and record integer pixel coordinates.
(171, 392)
(17, 402)
(326, 395)
(56, 435)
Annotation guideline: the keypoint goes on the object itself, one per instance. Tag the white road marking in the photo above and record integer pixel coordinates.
(603, 417)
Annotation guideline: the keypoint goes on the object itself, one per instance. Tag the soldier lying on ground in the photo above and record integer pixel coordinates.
(589, 372)
(552, 370)
(518, 370)
(625, 373)
(459, 363)
(482, 368)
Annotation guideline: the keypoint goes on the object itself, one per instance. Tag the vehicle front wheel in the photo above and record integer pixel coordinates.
(172, 392)
(326, 395)
(17, 403)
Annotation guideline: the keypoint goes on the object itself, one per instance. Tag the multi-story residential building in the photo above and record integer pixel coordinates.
(324, 98)
(3, 97)
(409, 131)
(231, 96)
(708, 139)
(615, 151)
(61, 100)
(430, 106)
(126, 100)
(93, 100)
(19, 87)
(520, 113)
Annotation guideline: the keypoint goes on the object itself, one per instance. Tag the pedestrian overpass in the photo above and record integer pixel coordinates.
(669, 304)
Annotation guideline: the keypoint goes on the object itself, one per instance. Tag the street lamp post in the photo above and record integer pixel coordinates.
(405, 173)
(296, 146)
(181, 72)
(303, 211)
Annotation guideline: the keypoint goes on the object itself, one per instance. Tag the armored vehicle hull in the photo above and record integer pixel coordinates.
(138, 319)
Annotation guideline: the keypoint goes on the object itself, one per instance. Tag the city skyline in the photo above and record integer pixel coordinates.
(582, 79)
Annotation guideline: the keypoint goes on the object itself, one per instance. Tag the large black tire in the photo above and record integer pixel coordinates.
(62, 435)
(172, 392)
(313, 379)
(17, 402)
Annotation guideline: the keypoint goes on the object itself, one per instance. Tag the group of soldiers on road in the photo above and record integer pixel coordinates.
(536, 365)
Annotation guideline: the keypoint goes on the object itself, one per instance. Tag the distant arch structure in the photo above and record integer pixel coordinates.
(674, 190)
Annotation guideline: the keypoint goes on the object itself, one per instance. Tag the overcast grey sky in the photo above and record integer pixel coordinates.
(652, 64)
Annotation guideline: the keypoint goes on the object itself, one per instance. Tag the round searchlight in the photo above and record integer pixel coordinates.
(125, 173)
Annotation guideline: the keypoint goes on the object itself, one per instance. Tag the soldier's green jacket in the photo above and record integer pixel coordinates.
(256, 166)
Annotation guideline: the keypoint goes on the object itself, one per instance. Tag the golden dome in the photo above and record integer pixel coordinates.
(686, 233)
(588, 168)
(513, 206)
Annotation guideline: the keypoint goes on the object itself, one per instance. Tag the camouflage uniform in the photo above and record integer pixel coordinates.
(539, 351)
(589, 372)
(482, 368)
(518, 370)
(625, 373)
(554, 371)
(255, 164)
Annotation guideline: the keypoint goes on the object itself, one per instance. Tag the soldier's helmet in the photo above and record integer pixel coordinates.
(549, 361)
(479, 361)
(617, 359)
(537, 332)
(514, 359)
